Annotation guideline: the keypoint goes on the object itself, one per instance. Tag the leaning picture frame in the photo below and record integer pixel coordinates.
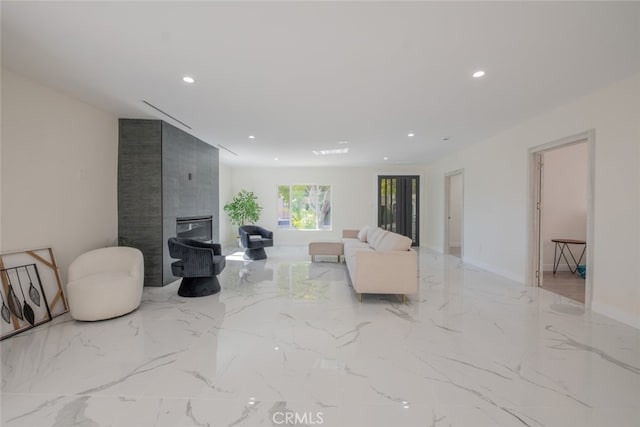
(31, 290)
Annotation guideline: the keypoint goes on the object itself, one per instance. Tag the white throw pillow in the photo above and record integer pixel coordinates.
(362, 234)
(377, 237)
(254, 237)
(370, 232)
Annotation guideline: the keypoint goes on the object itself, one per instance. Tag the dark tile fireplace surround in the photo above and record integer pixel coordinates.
(167, 184)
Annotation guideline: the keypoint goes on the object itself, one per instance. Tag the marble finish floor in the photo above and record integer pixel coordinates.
(286, 343)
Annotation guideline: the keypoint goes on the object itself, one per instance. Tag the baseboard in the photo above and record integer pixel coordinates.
(615, 314)
(492, 269)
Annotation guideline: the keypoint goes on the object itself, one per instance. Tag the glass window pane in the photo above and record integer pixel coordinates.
(304, 207)
(324, 207)
(284, 201)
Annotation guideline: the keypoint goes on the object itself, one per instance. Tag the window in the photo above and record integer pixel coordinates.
(304, 207)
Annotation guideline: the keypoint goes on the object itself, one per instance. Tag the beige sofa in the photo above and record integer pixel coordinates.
(380, 262)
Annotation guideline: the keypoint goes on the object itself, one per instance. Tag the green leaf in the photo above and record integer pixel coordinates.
(243, 208)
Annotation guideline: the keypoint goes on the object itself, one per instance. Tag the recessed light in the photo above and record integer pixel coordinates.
(478, 74)
(275, 158)
(188, 79)
(385, 158)
(410, 135)
(252, 137)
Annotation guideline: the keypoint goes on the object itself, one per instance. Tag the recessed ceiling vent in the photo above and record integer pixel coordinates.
(332, 151)
(167, 114)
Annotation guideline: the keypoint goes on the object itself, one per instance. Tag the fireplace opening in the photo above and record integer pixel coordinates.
(196, 228)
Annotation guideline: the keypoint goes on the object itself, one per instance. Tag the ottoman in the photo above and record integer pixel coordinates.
(325, 248)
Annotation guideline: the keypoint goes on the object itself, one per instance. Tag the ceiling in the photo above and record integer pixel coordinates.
(303, 76)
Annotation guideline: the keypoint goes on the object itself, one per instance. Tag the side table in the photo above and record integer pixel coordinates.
(563, 244)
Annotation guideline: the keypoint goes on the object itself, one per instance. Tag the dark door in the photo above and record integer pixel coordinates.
(398, 205)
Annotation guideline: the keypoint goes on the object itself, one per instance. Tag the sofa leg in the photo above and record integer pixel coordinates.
(404, 298)
(360, 297)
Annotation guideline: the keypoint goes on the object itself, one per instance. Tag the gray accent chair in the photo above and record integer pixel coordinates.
(199, 265)
(254, 239)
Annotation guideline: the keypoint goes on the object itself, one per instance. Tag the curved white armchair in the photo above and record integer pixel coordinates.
(105, 283)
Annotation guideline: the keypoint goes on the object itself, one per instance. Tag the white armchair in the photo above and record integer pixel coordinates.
(105, 283)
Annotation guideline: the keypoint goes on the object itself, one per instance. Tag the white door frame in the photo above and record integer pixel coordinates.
(534, 263)
(447, 208)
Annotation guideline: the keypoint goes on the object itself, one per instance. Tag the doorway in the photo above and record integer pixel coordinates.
(398, 205)
(454, 202)
(561, 215)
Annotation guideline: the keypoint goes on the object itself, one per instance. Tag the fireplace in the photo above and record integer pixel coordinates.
(196, 228)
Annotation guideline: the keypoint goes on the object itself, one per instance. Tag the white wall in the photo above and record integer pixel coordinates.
(353, 196)
(564, 200)
(228, 232)
(59, 171)
(497, 191)
(455, 210)
(1, 157)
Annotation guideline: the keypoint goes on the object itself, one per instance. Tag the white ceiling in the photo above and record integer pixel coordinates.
(301, 76)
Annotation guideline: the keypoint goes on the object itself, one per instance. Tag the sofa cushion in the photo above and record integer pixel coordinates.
(394, 242)
(352, 244)
(377, 237)
(362, 234)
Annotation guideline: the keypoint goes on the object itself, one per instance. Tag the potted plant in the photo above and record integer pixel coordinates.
(243, 208)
